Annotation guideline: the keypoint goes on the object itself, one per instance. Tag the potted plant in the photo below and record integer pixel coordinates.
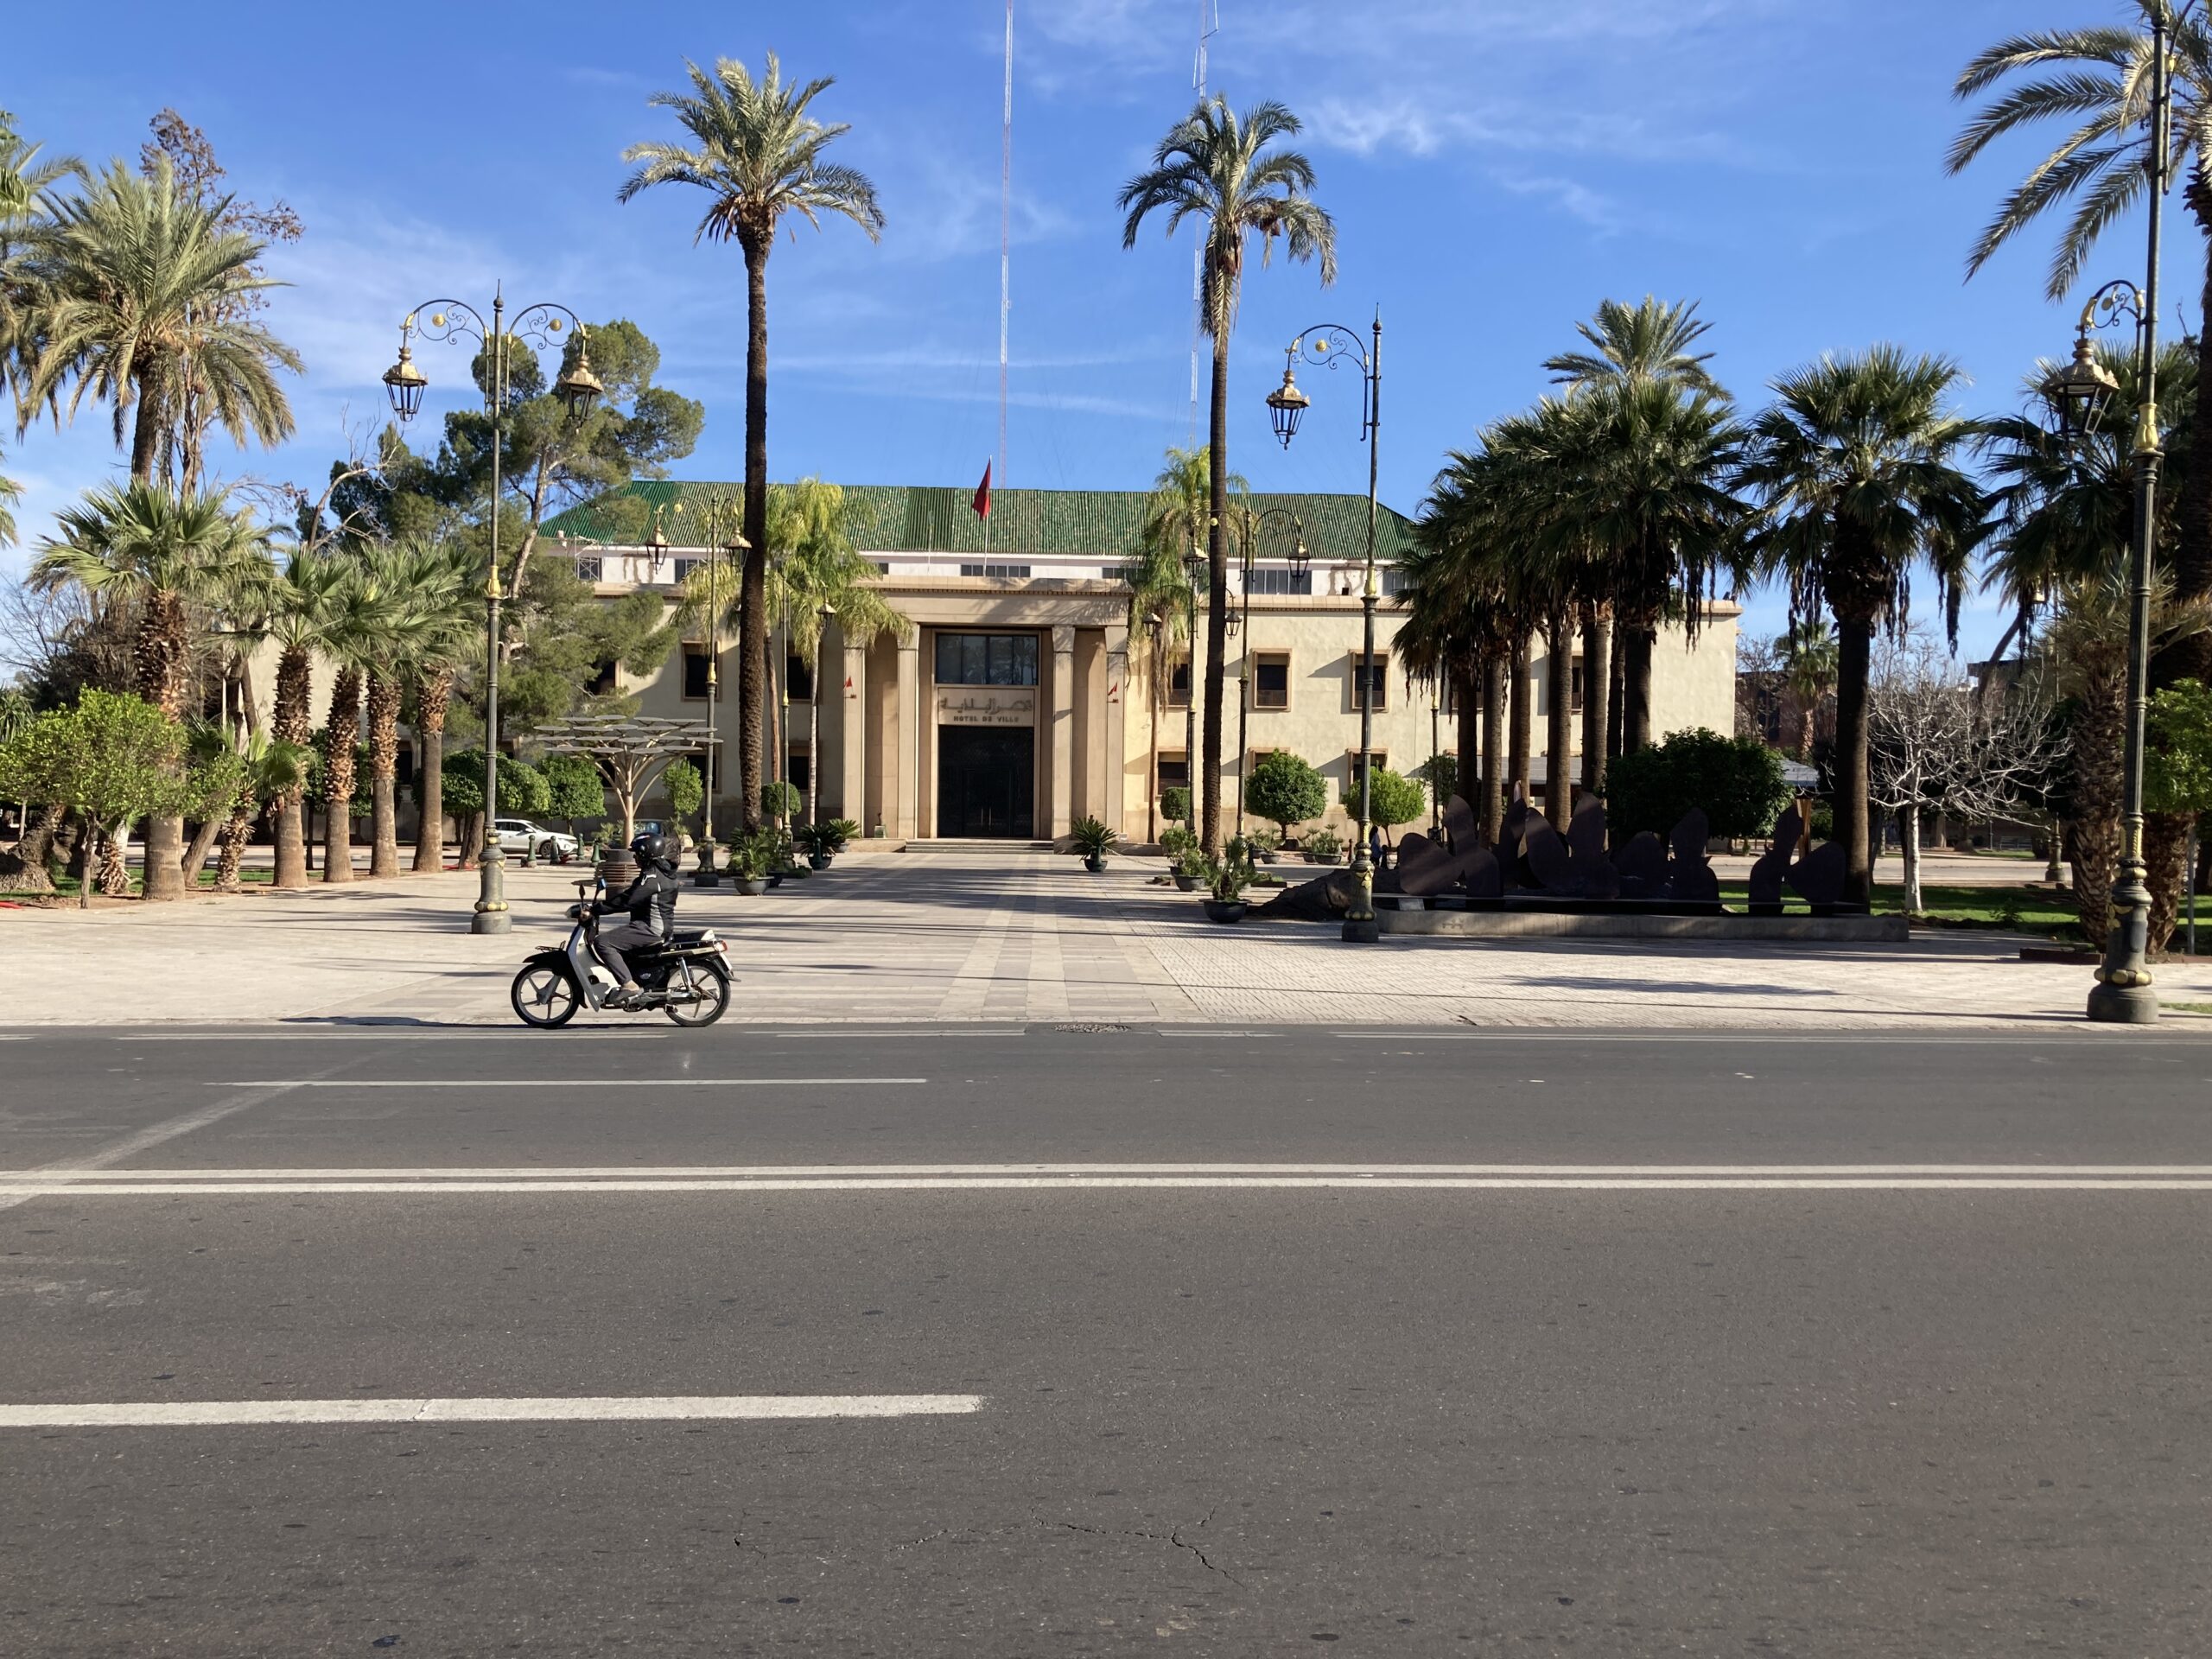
(820, 843)
(749, 864)
(1321, 846)
(1094, 841)
(1190, 869)
(1226, 893)
(1264, 844)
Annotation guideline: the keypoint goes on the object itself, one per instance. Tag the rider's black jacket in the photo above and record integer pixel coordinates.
(650, 899)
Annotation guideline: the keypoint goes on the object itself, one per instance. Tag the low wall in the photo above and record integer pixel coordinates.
(1553, 924)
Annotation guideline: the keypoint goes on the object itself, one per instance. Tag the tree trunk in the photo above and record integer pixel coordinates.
(752, 590)
(196, 855)
(2092, 794)
(1852, 825)
(291, 719)
(161, 660)
(115, 875)
(383, 769)
(1493, 806)
(88, 848)
(1517, 762)
(1597, 682)
(1639, 640)
(1617, 695)
(1805, 731)
(1218, 587)
(341, 732)
(25, 869)
(1466, 694)
(145, 432)
(431, 696)
(231, 859)
(1559, 723)
(2165, 850)
(1909, 833)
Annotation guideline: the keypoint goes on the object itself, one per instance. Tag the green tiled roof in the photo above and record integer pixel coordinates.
(922, 518)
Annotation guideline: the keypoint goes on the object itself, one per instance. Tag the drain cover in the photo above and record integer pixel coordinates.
(1090, 1027)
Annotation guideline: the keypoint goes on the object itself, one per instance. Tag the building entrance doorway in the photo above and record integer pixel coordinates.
(986, 781)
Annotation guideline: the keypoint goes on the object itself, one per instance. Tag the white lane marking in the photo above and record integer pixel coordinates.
(729, 1407)
(564, 1082)
(154, 1134)
(156, 1188)
(1888, 1035)
(741, 1171)
(516, 1034)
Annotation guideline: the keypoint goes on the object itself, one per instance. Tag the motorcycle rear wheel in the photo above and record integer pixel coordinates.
(545, 997)
(713, 990)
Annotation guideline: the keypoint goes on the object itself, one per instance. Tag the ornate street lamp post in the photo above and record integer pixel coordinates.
(1238, 624)
(1327, 344)
(2079, 394)
(721, 535)
(579, 388)
(1194, 572)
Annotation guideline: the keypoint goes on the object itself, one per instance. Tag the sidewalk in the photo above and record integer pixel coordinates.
(1010, 938)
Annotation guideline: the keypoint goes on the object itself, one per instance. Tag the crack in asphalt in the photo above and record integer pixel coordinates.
(1174, 1538)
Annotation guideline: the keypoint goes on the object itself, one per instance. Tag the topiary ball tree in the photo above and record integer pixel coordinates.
(686, 789)
(1736, 780)
(1392, 799)
(1175, 804)
(577, 789)
(1286, 790)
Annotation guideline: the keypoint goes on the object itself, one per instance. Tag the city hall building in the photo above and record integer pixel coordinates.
(1020, 702)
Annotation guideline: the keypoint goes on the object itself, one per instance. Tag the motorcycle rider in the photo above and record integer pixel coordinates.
(650, 902)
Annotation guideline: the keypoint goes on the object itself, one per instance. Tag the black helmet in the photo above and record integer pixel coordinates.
(650, 849)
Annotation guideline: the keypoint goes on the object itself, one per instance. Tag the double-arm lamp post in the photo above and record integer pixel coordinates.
(1239, 619)
(579, 388)
(1329, 344)
(2080, 393)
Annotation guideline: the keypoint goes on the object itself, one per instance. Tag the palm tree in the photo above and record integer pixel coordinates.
(1808, 669)
(427, 614)
(1648, 341)
(164, 559)
(128, 300)
(1219, 169)
(269, 770)
(1858, 462)
(758, 153)
(2098, 81)
(295, 604)
(819, 576)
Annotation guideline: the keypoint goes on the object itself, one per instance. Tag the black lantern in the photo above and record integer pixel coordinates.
(1287, 404)
(1299, 563)
(1194, 566)
(2079, 393)
(1233, 624)
(405, 383)
(580, 388)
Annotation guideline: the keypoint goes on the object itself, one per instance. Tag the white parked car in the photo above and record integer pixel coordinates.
(520, 836)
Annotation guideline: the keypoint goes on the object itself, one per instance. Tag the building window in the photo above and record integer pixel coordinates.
(1279, 582)
(588, 567)
(1006, 572)
(799, 679)
(1393, 580)
(797, 770)
(684, 569)
(1575, 702)
(1378, 679)
(1125, 574)
(986, 659)
(695, 676)
(1179, 682)
(1173, 771)
(1271, 680)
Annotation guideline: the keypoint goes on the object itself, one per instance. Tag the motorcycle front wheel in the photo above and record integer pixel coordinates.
(545, 997)
(710, 987)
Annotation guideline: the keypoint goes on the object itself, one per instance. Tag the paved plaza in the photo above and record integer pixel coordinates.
(1012, 936)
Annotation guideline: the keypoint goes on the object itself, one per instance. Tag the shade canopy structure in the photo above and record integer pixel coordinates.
(631, 751)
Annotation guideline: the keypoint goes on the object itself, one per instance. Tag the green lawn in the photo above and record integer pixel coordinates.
(2018, 910)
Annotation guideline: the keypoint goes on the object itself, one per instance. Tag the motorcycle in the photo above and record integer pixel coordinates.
(686, 977)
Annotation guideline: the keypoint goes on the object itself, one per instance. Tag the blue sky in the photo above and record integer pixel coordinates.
(1495, 168)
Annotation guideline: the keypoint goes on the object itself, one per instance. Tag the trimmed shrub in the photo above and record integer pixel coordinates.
(1284, 790)
(1736, 780)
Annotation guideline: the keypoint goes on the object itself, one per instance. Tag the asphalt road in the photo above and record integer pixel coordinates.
(1572, 1343)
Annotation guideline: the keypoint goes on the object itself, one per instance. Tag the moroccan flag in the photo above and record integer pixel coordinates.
(982, 501)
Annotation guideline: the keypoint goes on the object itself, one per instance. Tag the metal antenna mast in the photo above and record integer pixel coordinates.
(1006, 233)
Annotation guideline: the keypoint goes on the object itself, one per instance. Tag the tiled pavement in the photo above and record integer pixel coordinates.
(1012, 937)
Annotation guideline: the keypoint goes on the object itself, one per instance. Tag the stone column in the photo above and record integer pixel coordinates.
(1115, 717)
(908, 759)
(1063, 731)
(853, 755)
